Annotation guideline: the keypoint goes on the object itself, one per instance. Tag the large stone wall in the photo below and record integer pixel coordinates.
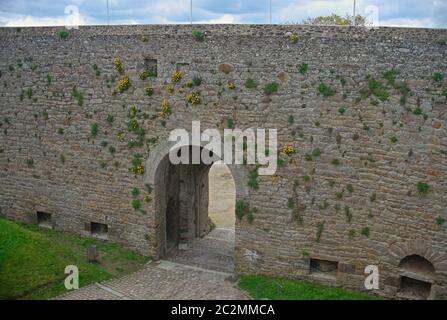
(362, 208)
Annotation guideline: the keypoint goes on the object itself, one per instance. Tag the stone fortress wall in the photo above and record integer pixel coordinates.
(364, 110)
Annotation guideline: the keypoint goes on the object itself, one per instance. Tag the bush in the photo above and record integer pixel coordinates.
(198, 35)
(271, 88)
(250, 83)
(302, 68)
(136, 204)
(94, 129)
(423, 187)
(437, 76)
(63, 34)
(325, 90)
(365, 231)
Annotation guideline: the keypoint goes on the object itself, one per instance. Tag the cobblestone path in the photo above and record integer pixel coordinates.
(204, 271)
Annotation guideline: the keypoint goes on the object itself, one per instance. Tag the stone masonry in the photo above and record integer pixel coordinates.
(362, 113)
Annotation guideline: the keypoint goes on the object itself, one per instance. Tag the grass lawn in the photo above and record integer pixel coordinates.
(33, 260)
(265, 287)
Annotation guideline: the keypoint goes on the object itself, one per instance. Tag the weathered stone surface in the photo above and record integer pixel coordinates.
(51, 162)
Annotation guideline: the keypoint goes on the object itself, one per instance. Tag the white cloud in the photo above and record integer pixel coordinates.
(409, 23)
(225, 19)
(31, 21)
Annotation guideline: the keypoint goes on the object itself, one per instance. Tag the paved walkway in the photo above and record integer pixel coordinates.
(204, 271)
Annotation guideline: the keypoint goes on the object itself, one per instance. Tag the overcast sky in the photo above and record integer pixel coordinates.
(405, 13)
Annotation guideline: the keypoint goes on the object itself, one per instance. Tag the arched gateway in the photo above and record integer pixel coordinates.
(181, 196)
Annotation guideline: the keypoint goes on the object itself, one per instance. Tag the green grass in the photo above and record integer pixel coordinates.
(265, 287)
(33, 260)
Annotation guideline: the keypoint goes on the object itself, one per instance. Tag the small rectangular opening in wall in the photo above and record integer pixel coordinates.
(99, 230)
(413, 288)
(150, 65)
(44, 219)
(182, 67)
(325, 268)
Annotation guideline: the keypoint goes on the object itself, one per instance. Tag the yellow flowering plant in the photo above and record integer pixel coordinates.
(118, 65)
(294, 37)
(194, 98)
(124, 84)
(165, 109)
(170, 88)
(176, 76)
(231, 85)
(288, 150)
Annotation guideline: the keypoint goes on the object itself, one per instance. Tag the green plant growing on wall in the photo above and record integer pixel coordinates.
(250, 83)
(230, 123)
(320, 229)
(390, 76)
(135, 192)
(110, 119)
(136, 204)
(60, 131)
(78, 96)
(253, 179)
(335, 162)
(438, 76)
(137, 164)
(30, 162)
(375, 88)
(197, 80)
(325, 90)
(112, 150)
(302, 68)
(251, 216)
(242, 209)
(149, 188)
(423, 187)
(341, 110)
(348, 214)
(440, 221)
(198, 35)
(350, 188)
(63, 34)
(373, 197)
(149, 91)
(365, 231)
(29, 93)
(316, 152)
(94, 129)
(393, 139)
(298, 212)
(271, 88)
(62, 158)
(291, 119)
(49, 79)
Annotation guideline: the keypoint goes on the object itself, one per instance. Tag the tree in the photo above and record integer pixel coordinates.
(336, 20)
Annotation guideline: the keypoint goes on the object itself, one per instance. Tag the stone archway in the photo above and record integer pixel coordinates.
(419, 270)
(181, 197)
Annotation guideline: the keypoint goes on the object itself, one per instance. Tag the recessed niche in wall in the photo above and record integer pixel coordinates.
(99, 230)
(150, 64)
(44, 219)
(413, 288)
(324, 268)
(183, 67)
(416, 277)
